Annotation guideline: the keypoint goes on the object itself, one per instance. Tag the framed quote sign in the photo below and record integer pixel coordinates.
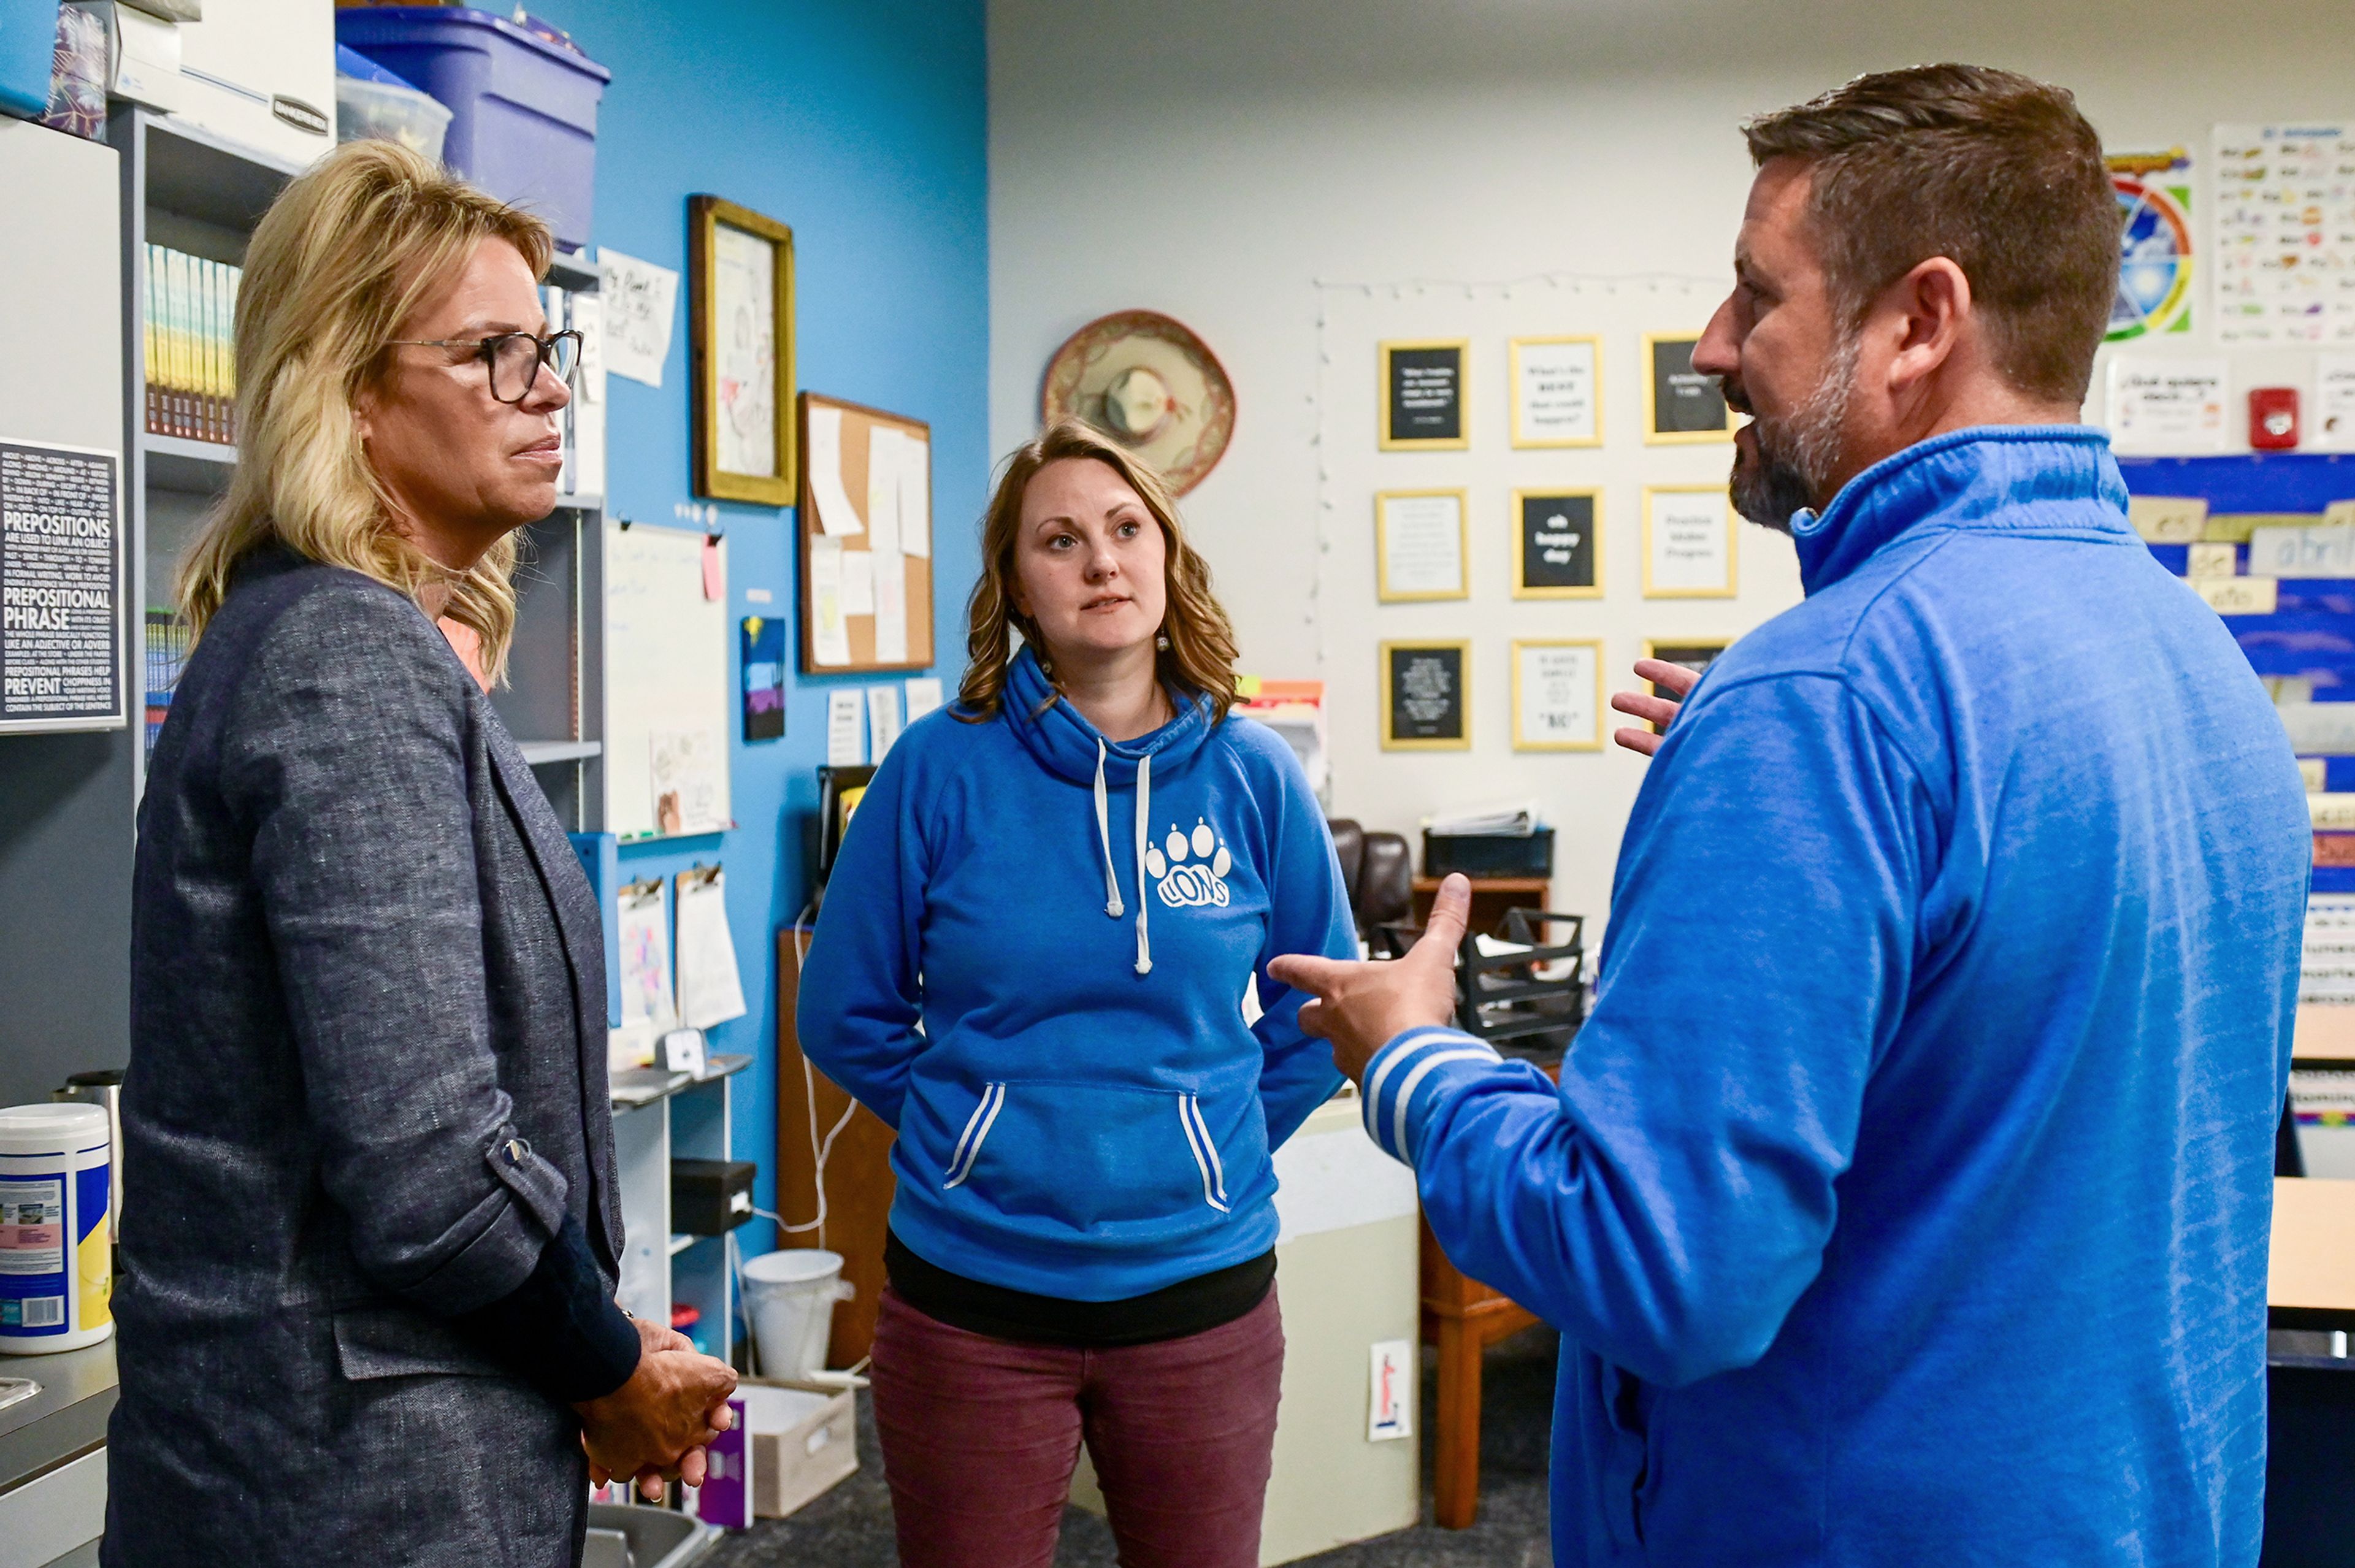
(1688, 542)
(1423, 395)
(1426, 696)
(1557, 385)
(741, 353)
(1680, 404)
(1420, 541)
(1558, 553)
(1558, 696)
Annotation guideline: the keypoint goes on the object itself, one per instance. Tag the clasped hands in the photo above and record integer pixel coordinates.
(654, 1428)
(1361, 1007)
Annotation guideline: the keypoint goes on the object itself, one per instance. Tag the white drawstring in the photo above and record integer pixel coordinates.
(1103, 837)
(1144, 827)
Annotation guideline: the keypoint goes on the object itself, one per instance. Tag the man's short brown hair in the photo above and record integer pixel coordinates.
(1999, 173)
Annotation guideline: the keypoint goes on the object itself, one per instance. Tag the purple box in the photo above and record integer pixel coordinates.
(523, 109)
(725, 1498)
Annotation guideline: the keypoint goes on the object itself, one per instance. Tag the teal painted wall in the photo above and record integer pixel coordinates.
(864, 127)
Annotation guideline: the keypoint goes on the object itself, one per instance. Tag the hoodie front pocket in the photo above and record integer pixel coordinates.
(1087, 1155)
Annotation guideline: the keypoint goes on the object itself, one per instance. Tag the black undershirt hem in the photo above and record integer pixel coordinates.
(1189, 1307)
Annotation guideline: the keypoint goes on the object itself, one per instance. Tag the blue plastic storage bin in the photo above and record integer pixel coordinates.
(523, 111)
(28, 49)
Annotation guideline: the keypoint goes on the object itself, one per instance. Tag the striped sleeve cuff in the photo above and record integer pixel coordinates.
(1408, 1076)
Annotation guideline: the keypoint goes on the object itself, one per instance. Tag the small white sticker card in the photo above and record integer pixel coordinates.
(846, 728)
(923, 695)
(1390, 1392)
(882, 720)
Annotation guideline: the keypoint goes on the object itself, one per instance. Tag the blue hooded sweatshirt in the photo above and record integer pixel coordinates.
(1031, 964)
(1905, 1198)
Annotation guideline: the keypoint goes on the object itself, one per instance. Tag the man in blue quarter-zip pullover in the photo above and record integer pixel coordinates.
(1906, 1198)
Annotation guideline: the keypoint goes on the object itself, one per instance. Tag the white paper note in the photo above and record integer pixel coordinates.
(890, 608)
(846, 738)
(857, 582)
(2332, 423)
(923, 695)
(688, 766)
(836, 515)
(639, 298)
(709, 989)
(645, 932)
(2168, 405)
(915, 496)
(882, 720)
(883, 446)
(829, 636)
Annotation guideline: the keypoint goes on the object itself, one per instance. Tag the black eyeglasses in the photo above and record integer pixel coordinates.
(514, 358)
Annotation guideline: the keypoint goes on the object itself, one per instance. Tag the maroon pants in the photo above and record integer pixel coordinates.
(980, 1437)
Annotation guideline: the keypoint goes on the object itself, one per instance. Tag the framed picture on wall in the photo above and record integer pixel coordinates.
(1557, 696)
(1557, 384)
(1558, 551)
(1426, 696)
(741, 353)
(1688, 542)
(1696, 653)
(1423, 395)
(1680, 404)
(1421, 538)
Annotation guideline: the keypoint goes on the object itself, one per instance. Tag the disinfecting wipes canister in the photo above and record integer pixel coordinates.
(57, 1269)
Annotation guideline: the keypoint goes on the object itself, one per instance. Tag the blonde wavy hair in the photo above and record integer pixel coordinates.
(1200, 659)
(338, 264)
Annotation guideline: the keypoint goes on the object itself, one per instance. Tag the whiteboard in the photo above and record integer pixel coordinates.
(666, 682)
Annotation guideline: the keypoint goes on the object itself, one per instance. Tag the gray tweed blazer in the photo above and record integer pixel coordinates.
(366, 1083)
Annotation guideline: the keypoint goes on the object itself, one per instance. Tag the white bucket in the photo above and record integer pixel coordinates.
(789, 1296)
(57, 1261)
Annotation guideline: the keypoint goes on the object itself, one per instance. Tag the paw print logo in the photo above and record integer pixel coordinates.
(1191, 869)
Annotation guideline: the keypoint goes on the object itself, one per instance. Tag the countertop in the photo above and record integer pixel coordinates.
(66, 1418)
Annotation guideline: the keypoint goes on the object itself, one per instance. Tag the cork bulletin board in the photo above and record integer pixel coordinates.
(865, 529)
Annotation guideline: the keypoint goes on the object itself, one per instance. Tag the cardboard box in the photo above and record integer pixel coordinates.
(804, 1440)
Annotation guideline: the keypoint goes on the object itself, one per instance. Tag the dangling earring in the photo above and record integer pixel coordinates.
(1161, 641)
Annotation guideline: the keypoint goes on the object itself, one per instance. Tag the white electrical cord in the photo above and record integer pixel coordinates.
(820, 1150)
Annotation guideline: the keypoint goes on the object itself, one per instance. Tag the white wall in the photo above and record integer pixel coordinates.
(1296, 179)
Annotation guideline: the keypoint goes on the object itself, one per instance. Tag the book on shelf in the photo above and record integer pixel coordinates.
(189, 335)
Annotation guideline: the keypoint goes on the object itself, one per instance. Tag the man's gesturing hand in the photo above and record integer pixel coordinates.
(1654, 709)
(1361, 1007)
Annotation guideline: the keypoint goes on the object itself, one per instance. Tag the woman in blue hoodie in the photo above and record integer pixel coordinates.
(1042, 961)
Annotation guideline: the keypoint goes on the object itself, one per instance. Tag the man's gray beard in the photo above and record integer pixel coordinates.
(1798, 455)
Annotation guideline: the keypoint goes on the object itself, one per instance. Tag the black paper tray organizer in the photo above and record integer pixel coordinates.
(1528, 1002)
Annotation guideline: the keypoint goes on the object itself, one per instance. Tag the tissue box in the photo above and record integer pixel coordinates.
(804, 1440)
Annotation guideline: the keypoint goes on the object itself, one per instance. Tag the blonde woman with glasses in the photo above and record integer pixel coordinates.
(367, 1310)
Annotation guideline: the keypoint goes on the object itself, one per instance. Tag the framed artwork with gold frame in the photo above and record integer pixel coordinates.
(1426, 696)
(1680, 405)
(1421, 552)
(1691, 548)
(1556, 543)
(740, 354)
(1557, 391)
(1557, 694)
(1424, 394)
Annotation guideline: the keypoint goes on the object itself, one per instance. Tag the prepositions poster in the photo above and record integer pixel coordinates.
(60, 589)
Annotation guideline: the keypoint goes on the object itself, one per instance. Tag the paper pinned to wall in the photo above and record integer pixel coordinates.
(710, 990)
(836, 515)
(829, 635)
(923, 695)
(883, 447)
(915, 496)
(882, 721)
(645, 932)
(689, 767)
(890, 608)
(857, 582)
(845, 742)
(640, 301)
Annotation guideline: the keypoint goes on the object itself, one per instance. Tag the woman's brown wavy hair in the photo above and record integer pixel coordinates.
(1200, 659)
